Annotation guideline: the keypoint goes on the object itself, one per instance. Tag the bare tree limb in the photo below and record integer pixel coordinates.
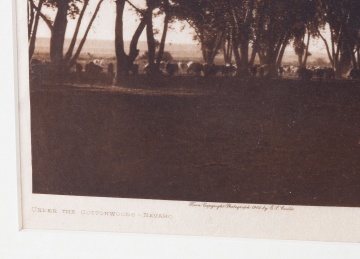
(136, 8)
(43, 16)
(327, 47)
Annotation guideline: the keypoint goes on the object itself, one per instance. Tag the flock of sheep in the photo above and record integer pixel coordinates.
(193, 68)
(101, 71)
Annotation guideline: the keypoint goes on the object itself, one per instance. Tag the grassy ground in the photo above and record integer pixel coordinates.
(223, 140)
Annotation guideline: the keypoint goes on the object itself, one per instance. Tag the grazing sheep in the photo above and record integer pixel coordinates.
(134, 69)
(194, 68)
(77, 75)
(254, 70)
(305, 74)
(287, 69)
(163, 66)
(354, 74)
(79, 72)
(93, 72)
(110, 73)
(210, 70)
(281, 71)
(99, 62)
(324, 73)
(182, 67)
(319, 73)
(261, 71)
(294, 70)
(329, 74)
(151, 71)
(172, 69)
(227, 70)
(146, 69)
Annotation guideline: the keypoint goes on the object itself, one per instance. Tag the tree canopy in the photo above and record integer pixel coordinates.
(239, 29)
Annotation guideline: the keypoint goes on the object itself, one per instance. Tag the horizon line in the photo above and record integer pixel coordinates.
(173, 43)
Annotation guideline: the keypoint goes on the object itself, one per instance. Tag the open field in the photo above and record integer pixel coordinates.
(199, 139)
(105, 49)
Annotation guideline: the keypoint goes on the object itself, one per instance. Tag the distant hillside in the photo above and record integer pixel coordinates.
(106, 49)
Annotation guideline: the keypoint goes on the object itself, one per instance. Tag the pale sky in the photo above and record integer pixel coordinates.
(104, 25)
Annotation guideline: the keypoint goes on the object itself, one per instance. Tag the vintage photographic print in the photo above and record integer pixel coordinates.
(235, 118)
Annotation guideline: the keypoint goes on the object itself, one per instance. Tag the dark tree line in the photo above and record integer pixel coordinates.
(241, 30)
(264, 28)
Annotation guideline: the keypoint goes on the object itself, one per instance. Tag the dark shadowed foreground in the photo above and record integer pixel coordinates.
(220, 140)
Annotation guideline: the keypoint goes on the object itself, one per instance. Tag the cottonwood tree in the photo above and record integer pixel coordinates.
(227, 48)
(206, 17)
(65, 9)
(156, 48)
(342, 18)
(308, 19)
(240, 19)
(124, 60)
(272, 31)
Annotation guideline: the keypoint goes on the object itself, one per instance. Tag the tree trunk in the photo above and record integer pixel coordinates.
(125, 62)
(203, 52)
(300, 60)
(150, 37)
(338, 65)
(327, 49)
(209, 55)
(272, 57)
(358, 55)
(235, 40)
(121, 58)
(352, 56)
(70, 51)
(58, 37)
(83, 40)
(281, 54)
(216, 48)
(237, 56)
(134, 52)
(346, 59)
(225, 53)
(259, 30)
(245, 38)
(34, 30)
(353, 62)
(163, 37)
(254, 51)
(307, 50)
(227, 48)
(332, 46)
(244, 49)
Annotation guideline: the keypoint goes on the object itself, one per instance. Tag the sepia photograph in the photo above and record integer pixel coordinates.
(221, 101)
(231, 106)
